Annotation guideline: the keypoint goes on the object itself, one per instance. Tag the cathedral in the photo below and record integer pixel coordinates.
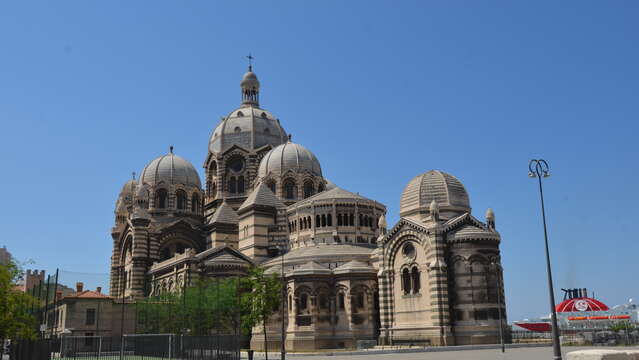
(433, 278)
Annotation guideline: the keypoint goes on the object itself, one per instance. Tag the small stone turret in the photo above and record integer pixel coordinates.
(490, 219)
(434, 210)
(382, 225)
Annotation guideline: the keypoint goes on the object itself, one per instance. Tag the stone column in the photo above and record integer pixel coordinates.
(114, 279)
(438, 287)
(139, 253)
(220, 180)
(293, 313)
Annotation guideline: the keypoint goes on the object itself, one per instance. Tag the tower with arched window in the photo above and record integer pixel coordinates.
(440, 268)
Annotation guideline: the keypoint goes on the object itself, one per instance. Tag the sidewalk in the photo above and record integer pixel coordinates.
(391, 350)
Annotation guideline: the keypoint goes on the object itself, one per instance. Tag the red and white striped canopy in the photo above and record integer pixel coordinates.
(581, 304)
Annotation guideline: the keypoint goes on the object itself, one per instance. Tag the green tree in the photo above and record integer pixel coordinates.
(260, 298)
(16, 321)
(622, 325)
(208, 306)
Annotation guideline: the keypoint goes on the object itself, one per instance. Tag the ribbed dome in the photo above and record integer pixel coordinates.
(170, 169)
(289, 156)
(445, 189)
(248, 127)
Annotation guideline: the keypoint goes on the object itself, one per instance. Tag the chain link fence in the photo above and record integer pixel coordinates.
(130, 347)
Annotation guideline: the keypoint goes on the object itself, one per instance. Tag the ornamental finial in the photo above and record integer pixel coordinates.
(250, 59)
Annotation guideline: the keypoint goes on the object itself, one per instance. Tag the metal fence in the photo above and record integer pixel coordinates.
(597, 337)
(130, 347)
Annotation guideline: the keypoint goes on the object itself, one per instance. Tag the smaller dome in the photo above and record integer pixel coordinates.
(170, 169)
(249, 80)
(128, 189)
(289, 156)
(445, 189)
(142, 192)
(330, 185)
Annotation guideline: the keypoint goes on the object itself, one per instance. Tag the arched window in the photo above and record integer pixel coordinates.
(323, 220)
(416, 281)
(340, 300)
(352, 220)
(290, 303)
(308, 189)
(323, 302)
(310, 222)
(180, 196)
(317, 221)
(240, 185)
(232, 185)
(290, 190)
(339, 219)
(195, 203)
(271, 185)
(240, 114)
(406, 281)
(360, 223)
(303, 301)
(160, 199)
(329, 220)
(360, 300)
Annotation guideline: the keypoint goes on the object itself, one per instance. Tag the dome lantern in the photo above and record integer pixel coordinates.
(250, 86)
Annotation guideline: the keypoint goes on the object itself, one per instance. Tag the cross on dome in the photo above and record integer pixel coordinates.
(250, 59)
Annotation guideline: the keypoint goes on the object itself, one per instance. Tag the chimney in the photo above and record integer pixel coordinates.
(79, 286)
(99, 289)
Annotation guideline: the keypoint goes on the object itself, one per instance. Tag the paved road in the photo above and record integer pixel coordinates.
(537, 353)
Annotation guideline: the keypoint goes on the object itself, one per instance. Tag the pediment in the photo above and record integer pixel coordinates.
(460, 221)
(404, 224)
(179, 225)
(223, 255)
(235, 147)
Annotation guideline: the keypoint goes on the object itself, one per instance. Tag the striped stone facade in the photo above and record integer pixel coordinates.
(434, 278)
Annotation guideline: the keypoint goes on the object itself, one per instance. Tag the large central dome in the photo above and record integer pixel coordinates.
(445, 189)
(249, 126)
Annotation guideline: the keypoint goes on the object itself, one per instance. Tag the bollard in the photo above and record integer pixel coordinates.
(250, 355)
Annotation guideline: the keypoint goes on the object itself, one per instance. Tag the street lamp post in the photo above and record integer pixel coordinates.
(284, 310)
(539, 168)
(499, 307)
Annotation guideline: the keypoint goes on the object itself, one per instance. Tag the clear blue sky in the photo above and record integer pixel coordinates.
(379, 91)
